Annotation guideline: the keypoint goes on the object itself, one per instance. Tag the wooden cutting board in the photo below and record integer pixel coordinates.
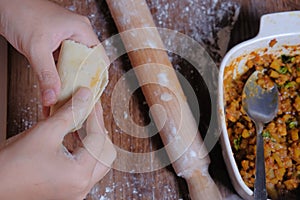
(24, 108)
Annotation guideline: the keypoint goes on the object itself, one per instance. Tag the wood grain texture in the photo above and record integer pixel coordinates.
(149, 65)
(247, 25)
(24, 107)
(3, 88)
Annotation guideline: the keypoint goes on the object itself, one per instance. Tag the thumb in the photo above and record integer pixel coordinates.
(71, 115)
(49, 82)
(98, 153)
(98, 147)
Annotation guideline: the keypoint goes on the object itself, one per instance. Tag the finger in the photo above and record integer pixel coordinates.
(97, 145)
(96, 122)
(45, 69)
(88, 36)
(70, 116)
(99, 172)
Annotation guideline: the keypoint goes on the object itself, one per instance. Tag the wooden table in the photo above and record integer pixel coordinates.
(24, 110)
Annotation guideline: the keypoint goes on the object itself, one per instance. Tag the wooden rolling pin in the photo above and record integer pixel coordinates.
(192, 162)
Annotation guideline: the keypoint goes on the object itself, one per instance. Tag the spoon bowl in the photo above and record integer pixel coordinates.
(261, 105)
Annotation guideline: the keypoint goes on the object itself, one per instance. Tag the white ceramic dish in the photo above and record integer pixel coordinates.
(284, 27)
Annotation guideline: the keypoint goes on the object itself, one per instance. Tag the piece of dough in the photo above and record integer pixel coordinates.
(81, 66)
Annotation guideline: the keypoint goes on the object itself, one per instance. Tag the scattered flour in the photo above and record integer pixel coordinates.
(193, 154)
(166, 97)
(174, 130)
(108, 189)
(200, 22)
(125, 115)
(162, 79)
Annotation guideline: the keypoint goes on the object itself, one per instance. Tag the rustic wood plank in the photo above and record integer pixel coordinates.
(247, 25)
(200, 183)
(3, 88)
(24, 107)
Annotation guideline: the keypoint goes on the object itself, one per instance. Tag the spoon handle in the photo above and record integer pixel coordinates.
(260, 192)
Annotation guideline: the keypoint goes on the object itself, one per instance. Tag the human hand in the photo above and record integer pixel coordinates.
(35, 165)
(36, 29)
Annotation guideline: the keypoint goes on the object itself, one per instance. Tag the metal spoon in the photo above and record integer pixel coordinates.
(261, 105)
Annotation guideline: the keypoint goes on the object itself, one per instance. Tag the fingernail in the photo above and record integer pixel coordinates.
(84, 94)
(49, 97)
